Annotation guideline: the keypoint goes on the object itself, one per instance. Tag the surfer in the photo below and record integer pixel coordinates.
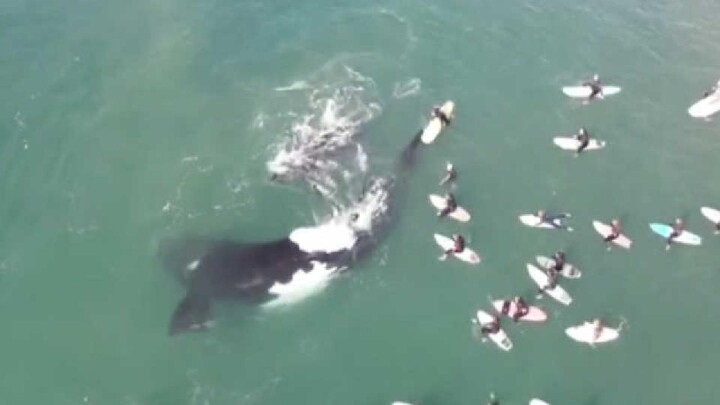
(450, 205)
(491, 328)
(595, 88)
(584, 138)
(615, 231)
(450, 174)
(553, 220)
(492, 400)
(597, 328)
(677, 229)
(458, 246)
(552, 280)
(712, 90)
(437, 113)
(521, 308)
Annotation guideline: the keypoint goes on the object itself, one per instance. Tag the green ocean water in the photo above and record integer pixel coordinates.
(123, 123)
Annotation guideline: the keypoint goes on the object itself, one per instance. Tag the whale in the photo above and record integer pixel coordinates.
(281, 271)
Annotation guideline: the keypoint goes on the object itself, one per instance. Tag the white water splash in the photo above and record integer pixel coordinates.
(407, 88)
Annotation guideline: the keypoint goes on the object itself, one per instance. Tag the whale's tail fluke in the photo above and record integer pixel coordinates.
(193, 313)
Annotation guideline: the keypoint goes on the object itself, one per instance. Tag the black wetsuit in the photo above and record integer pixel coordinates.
(584, 141)
(595, 88)
(613, 235)
(490, 328)
(450, 207)
(521, 309)
(441, 115)
(458, 247)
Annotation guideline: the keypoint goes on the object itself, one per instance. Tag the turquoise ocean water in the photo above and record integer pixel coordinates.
(126, 122)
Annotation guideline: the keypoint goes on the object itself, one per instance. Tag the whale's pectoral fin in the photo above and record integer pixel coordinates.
(193, 313)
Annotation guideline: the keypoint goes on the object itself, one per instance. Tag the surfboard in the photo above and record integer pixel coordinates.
(687, 238)
(542, 279)
(585, 91)
(467, 255)
(459, 214)
(500, 338)
(712, 215)
(585, 333)
(535, 314)
(572, 144)
(568, 270)
(536, 401)
(401, 403)
(604, 230)
(435, 126)
(706, 107)
(533, 221)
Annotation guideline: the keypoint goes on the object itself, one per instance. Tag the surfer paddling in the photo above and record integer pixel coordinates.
(553, 220)
(521, 308)
(439, 114)
(450, 174)
(491, 328)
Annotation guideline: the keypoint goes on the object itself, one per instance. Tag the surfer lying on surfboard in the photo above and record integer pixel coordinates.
(584, 138)
(458, 247)
(450, 205)
(437, 113)
(595, 87)
(450, 174)
(677, 229)
(543, 217)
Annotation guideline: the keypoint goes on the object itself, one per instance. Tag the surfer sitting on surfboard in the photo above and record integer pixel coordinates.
(521, 308)
(594, 85)
(615, 231)
(584, 138)
(558, 261)
(677, 229)
(552, 280)
(597, 328)
(450, 205)
(491, 328)
(450, 174)
(437, 113)
(458, 247)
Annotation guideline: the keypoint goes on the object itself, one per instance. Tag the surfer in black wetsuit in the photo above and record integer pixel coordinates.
(437, 113)
(558, 261)
(595, 87)
(458, 246)
(677, 229)
(521, 308)
(551, 219)
(450, 205)
(615, 231)
(450, 174)
(584, 138)
(492, 327)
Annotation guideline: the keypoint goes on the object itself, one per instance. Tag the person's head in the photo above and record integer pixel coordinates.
(615, 222)
(456, 236)
(583, 131)
(541, 213)
(449, 167)
(678, 221)
(596, 77)
(596, 322)
(560, 253)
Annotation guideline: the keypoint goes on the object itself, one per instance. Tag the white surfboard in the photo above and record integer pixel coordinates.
(542, 280)
(536, 401)
(535, 314)
(585, 333)
(568, 270)
(435, 126)
(467, 255)
(401, 403)
(604, 230)
(459, 214)
(500, 338)
(685, 237)
(533, 221)
(585, 91)
(712, 215)
(706, 107)
(572, 144)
